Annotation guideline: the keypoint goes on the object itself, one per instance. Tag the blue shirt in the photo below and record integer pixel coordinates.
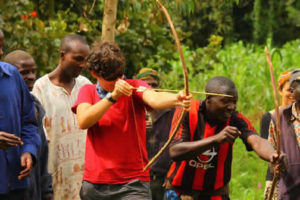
(17, 116)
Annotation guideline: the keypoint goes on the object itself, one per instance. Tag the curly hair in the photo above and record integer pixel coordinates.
(106, 60)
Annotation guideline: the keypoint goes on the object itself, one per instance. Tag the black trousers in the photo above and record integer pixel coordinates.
(15, 195)
(157, 190)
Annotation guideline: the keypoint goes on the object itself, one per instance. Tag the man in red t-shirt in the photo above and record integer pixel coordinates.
(203, 147)
(113, 111)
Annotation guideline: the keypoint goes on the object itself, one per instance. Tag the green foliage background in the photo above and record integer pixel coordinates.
(219, 38)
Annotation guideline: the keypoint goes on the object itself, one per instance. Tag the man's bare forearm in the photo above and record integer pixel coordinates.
(261, 146)
(189, 150)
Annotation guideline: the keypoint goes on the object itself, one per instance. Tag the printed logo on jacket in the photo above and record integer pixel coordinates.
(204, 161)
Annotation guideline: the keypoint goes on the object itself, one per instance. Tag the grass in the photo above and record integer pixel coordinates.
(248, 174)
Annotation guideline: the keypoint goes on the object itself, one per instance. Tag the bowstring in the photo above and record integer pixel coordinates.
(136, 132)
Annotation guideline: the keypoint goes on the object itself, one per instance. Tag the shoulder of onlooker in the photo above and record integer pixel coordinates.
(267, 115)
(40, 83)
(82, 80)
(282, 109)
(39, 87)
(42, 79)
(8, 68)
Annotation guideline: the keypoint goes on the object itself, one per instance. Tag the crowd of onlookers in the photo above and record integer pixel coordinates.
(62, 137)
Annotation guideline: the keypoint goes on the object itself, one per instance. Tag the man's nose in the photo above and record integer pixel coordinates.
(32, 75)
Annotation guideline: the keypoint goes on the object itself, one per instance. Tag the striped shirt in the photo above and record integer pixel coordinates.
(210, 171)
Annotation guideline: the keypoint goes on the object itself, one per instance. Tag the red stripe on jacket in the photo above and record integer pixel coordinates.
(200, 172)
(180, 172)
(224, 148)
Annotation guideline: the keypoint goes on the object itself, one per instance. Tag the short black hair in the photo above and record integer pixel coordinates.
(66, 42)
(221, 85)
(15, 56)
(106, 60)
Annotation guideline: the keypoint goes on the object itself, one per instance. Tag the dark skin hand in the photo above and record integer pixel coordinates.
(265, 151)
(186, 197)
(8, 140)
(228, 134)
(189, 150)
(279, 163)
(26, 162)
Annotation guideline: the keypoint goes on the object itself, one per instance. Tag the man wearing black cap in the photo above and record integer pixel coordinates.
(289, 183)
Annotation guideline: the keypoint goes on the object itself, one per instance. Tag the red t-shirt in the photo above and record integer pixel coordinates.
(116, 146)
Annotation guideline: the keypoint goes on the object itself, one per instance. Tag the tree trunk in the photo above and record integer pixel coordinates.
(109, 20)
(51, 9)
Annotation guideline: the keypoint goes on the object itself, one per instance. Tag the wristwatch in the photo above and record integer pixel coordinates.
(109, 97)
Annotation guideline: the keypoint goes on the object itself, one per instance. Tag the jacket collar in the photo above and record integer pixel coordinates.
(4, 69)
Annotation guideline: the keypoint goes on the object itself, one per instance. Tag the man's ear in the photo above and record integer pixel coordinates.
(207, 103)
(208, 98)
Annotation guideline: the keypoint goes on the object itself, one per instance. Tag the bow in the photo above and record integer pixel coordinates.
(277, 120)
(186, 87)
